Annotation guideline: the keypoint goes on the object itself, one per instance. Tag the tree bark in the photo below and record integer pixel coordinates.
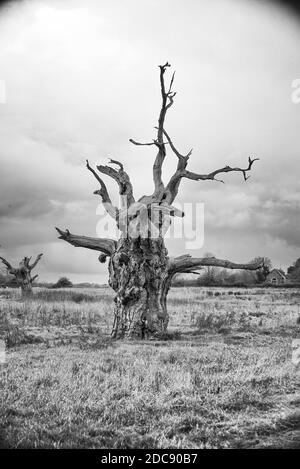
(24, 280)
(138, 273)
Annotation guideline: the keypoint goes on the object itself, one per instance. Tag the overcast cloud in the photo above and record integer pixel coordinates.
(81, 79)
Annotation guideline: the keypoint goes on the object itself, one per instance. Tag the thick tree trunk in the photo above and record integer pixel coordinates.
(139, 275)
(26, 290)
(24, 280)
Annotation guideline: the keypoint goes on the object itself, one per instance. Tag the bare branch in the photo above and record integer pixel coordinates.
(182, 158)
(123, 180)
(32, 266)
(107, 246)
(147, 144)
(171, 190)
(157, 170)
(226, 169)
(186, 263)
(10, 269)
(173, 185)
(26, 261)
(171, 83)
(167, 101)
(154, 142)
(34, 278)
(103, 192)
(117, 163)
(171, 97)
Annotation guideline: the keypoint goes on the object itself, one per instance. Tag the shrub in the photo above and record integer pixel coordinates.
(63, 282)
(11, 333)
(214, 321)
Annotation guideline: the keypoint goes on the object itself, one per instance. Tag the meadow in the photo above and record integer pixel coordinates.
(222, 377)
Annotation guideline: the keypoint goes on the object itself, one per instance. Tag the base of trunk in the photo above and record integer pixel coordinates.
(139, 276)
(26, 291)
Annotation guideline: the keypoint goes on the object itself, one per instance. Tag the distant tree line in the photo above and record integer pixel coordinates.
(211, 276)
(9, 281)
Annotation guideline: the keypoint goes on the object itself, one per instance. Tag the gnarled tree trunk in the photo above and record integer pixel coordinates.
(24, 280)
(138, 271)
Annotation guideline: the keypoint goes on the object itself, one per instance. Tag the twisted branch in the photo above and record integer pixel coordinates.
(187, 263)
(123, 180)
(226, 169)
(181, 172)
(105, 245)
(10, 269)
(167, 101)
(173, 184)
(32, 266)
(103, 192)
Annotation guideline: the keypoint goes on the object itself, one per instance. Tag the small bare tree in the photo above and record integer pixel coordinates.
(140, 270)
(22, 274)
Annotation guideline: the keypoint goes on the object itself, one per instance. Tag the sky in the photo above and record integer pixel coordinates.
(82, 77)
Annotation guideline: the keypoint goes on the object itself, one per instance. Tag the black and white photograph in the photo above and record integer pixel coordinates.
(149, 228)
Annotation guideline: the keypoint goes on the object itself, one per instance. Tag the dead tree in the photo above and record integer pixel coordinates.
(140, 270)
(22, 274)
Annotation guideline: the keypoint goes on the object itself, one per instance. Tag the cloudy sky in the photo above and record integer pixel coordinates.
(81, 78)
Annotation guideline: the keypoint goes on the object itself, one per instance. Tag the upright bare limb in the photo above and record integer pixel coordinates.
(173, 185)
(8, 266)
(167, 101)
(123, 180)
(37, 260)
(103, 192)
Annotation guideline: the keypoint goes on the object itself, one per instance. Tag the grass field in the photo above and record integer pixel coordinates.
(222, 378)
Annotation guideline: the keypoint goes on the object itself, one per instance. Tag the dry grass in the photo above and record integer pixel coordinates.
(225, 380)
